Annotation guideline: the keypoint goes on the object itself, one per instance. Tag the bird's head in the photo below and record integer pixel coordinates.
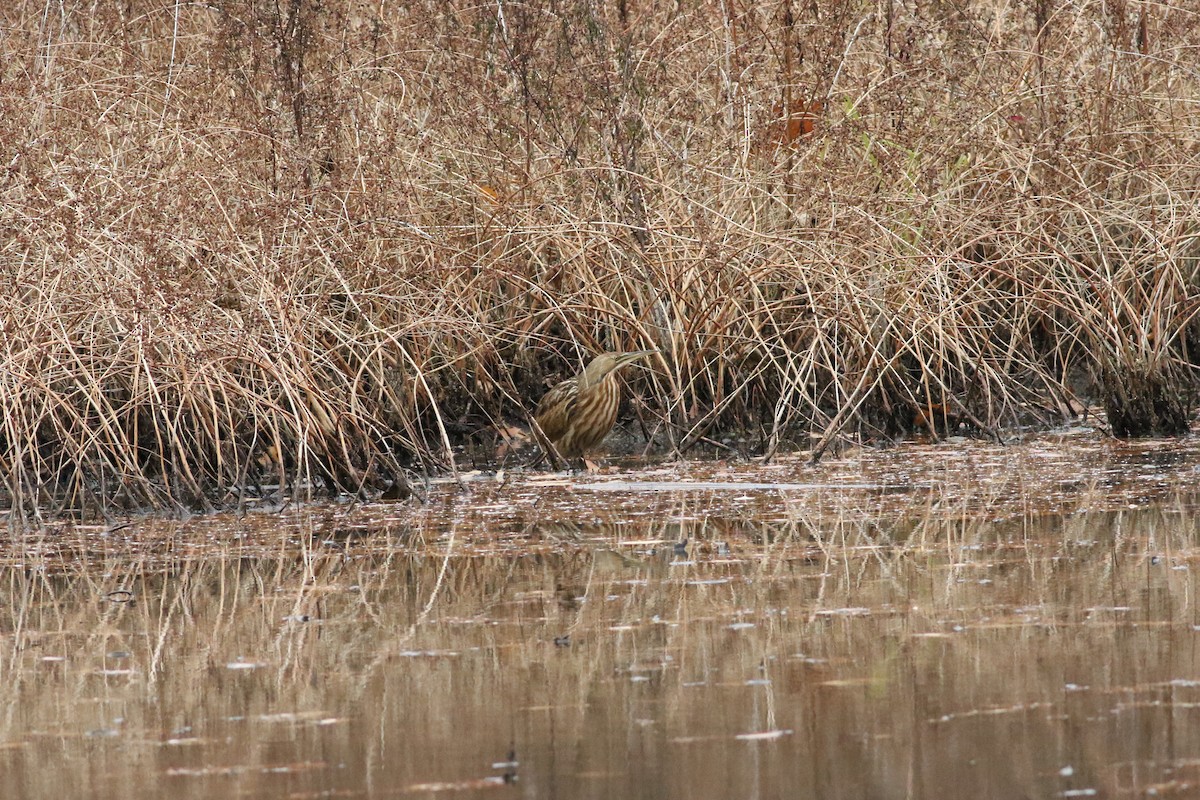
(608, 363)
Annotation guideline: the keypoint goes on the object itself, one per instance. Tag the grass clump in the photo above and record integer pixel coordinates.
(330, 242)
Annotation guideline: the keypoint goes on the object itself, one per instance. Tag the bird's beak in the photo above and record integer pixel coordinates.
(636, 355)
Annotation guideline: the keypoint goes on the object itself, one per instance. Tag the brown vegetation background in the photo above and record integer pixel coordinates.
(334, 239)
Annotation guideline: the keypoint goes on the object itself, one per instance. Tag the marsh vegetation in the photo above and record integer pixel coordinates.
(331, 242)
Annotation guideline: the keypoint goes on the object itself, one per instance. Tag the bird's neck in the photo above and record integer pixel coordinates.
(587, 381)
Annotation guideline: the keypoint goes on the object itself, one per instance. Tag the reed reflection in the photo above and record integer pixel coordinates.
(689, 650)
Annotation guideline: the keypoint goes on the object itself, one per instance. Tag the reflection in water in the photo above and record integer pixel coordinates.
(655, 645)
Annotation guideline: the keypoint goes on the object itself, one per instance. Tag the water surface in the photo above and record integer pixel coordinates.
(960, 620)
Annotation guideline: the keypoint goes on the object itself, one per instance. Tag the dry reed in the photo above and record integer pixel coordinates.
(303, 243)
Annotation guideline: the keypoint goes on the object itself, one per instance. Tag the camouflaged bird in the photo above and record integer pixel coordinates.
(578, 413)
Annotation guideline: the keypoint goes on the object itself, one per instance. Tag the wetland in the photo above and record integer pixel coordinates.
(257, 252)
(934, 620)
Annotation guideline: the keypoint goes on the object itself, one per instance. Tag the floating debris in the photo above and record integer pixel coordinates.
(856, 611)
(244, 664)
(716, 486)
(490, 782)
(763, 736)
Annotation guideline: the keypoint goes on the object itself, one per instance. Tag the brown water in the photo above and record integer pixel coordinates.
(962, 620)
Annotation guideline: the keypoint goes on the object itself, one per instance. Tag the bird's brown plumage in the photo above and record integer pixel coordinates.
(578, 413)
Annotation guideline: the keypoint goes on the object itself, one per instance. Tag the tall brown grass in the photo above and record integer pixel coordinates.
(331, 241)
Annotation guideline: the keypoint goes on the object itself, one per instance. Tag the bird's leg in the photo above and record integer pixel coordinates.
(592, 467)
(550, 453)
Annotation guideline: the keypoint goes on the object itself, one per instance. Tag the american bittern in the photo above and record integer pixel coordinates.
(578, 413)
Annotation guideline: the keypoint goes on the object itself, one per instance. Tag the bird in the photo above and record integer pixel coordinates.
(576, 414)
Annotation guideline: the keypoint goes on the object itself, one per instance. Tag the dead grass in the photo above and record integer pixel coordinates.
(298, 243)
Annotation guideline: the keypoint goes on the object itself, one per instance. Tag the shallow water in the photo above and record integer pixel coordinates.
(960, 620)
